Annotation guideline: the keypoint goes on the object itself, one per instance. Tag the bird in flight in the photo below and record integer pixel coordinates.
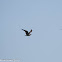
(27, 33)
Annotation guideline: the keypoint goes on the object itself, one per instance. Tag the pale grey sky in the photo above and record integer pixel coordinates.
(44, 17)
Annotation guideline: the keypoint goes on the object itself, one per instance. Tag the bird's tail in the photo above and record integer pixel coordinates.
(23, 29)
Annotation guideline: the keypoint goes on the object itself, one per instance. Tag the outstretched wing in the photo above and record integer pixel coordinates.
(25, 31)
(30, 31)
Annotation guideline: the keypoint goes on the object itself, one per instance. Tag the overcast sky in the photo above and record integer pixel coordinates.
(44, 17)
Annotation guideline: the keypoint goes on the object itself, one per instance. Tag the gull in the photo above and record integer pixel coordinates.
(27, 33)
